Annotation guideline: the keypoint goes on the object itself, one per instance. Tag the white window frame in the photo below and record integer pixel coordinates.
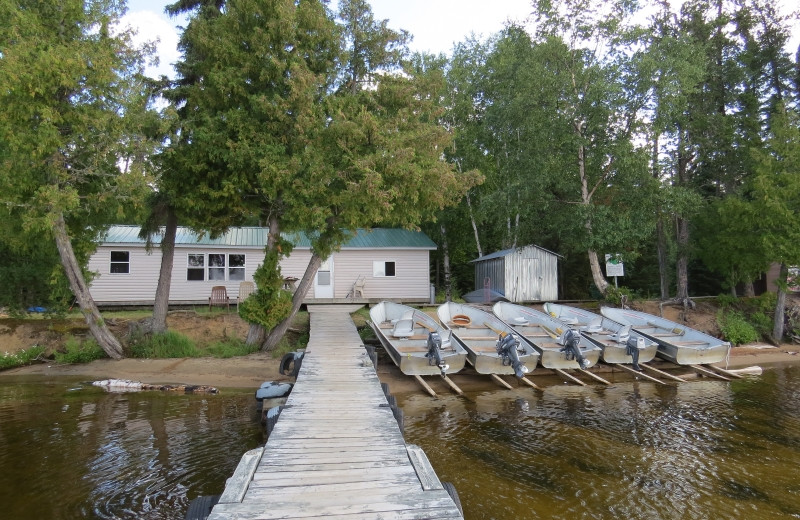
(228, 273)
(379, 268)
(112, 263)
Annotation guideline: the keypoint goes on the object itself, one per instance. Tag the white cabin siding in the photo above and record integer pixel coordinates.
(411, 281)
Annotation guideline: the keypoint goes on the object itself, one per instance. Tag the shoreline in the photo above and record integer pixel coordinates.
(248, 372)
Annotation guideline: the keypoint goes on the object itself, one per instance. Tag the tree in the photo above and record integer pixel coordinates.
(286, 128)
(68, 93)
(776, 201)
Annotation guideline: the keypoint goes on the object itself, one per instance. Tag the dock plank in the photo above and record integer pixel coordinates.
(336, 451)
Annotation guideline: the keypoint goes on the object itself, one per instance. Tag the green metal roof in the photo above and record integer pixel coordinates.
(256, 237)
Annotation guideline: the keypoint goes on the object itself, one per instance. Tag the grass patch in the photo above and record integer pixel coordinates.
(228, 348)
(22, 357)
(77, 351)
(170, 344)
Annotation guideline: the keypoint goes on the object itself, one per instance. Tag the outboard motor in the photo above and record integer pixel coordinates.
(508, 347)
(572, 349)
(434, 354)
(632, 347)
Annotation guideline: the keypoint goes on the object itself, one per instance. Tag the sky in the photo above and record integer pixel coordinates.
(436, 25)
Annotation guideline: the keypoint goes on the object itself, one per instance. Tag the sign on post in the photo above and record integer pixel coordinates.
(614, 267)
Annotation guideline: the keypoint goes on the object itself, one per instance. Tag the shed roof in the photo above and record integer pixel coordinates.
(256, 237)
(505, 252)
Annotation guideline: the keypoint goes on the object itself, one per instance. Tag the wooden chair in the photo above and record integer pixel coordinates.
(219, 296)
(245, 290)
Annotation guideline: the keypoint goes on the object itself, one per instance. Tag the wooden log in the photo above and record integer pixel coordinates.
(728, 372)
(595, 376)
(425, 386)
(662, 373)
(750, 371)
(452, 385)
(501, 381)
(569, 376)
(529, 383)
(708, 372)
(639, 374)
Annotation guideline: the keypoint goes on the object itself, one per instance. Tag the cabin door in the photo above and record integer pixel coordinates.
(323, 282)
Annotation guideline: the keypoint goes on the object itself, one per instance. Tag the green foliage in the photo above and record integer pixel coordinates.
(230, 347)
(735, 327)
(21, 357)
(726, 301)
(77, 351)
(270, 304)
(170, 344)
(617, 295)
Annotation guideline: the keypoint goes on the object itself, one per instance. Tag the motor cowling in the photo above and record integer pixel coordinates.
(572, 348)
(434, 354)
(508, 347)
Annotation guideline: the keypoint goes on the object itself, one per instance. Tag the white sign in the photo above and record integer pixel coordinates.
(614, 266)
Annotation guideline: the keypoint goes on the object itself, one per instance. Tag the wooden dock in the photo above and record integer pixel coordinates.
(337, 451)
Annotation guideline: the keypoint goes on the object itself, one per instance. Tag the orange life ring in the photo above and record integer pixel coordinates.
(462, 320)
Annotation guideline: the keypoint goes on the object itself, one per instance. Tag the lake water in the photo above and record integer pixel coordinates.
(696, 450)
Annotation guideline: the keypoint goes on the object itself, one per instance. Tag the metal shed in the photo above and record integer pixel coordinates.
(524, 274)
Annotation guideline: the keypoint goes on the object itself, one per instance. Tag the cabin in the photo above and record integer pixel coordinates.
(373, 265)
(523, 274)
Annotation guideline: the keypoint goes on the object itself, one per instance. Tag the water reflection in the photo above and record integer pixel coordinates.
(70, 451)
(703, 449)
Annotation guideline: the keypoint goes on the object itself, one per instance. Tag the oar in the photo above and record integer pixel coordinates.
(660, 372)
(570, 377)
(455, 388)
(425, 386)
(708, 372)
(642, 374)
(500, 380)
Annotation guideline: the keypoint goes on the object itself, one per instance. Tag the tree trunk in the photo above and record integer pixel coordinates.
(682, 274)
(474, 227)
(749, 290)
(448, 290)
(277, 333)
(104, 337)
(597, 274)
(161, 304)
(256, 334)
(780, 305)
(663, 259)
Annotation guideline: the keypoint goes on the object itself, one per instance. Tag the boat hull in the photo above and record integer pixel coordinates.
(677, 343)
(480, 340)
(613, 352)
(408, 353)
(538, 331)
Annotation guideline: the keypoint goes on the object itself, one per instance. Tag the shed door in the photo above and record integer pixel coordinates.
(532, 267)
(323, 282)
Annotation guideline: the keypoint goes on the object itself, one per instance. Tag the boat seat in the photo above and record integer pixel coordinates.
(404, 328)
(622, 335)
(569, 320)
(596, 325)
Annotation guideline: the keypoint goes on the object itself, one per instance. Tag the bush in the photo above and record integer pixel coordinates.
(230, 347)
(763, 324)
(20, 358)
(170, 344)
(735, 328)
(726, 301)
(80, 351)
(614, 295)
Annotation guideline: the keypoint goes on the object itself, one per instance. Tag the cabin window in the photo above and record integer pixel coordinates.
(120, 262)
(216, 266)
(381, 269)
(236, 267)
(196, 270)
(221, 267)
